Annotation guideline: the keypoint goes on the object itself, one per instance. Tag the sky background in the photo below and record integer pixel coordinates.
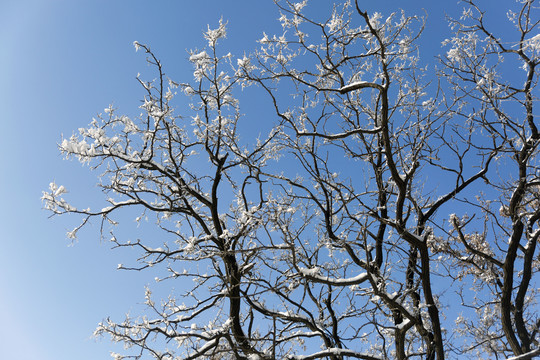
(61, 63)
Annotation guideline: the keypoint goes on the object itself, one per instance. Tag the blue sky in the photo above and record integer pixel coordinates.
(62, 62)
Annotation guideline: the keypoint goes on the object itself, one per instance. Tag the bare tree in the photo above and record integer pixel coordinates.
(392, 212)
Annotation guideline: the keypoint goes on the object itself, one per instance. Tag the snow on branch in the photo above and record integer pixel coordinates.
(359, 85)
(313, 275)
(530, 355)
(334, 352)
(341, 135)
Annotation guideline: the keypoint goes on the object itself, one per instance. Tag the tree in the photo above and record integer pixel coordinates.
(392, 211)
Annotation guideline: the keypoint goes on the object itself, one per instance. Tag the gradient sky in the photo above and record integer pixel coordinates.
(61, 63)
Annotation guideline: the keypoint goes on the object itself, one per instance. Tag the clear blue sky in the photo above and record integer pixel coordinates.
(63, 61)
